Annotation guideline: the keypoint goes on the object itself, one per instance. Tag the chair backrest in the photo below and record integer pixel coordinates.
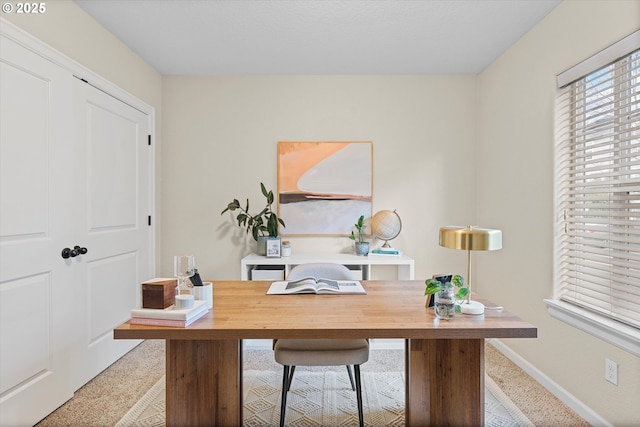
(320, 270)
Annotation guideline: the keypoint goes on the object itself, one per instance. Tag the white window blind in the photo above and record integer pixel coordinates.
(597, 176)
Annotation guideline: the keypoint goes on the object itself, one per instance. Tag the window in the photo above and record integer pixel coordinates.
(597, 181)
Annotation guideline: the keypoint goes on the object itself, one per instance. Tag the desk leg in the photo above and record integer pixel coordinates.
(204, 383)
(445, 382)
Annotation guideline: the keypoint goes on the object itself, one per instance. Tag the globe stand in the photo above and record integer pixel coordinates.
(386, 247)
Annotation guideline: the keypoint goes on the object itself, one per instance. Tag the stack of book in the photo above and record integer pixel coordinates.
(386, 251)
(169, 316)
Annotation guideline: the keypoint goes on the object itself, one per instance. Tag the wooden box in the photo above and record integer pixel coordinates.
(159, 293)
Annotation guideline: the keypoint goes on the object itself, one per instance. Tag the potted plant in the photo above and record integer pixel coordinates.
(362, 247)
(261, 225)
(445, 292)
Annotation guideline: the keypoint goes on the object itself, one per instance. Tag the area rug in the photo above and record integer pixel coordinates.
(323, 399)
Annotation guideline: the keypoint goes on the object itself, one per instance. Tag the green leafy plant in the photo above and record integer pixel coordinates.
(359, 226)
(435, 286)
(265, 223)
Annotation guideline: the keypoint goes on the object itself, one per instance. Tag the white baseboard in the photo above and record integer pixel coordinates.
(567, 398)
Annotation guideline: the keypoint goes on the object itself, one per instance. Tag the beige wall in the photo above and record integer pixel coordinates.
(515, 192)
(220, 142)
(68, 29)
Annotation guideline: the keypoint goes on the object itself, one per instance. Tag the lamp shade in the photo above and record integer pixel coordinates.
(471, 238)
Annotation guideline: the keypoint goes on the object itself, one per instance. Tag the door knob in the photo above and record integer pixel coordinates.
(72, 253)
(69, 253)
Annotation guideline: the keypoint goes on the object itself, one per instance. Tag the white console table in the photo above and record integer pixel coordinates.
(256, 263)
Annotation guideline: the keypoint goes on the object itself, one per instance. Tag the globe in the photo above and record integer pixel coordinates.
(386, 225)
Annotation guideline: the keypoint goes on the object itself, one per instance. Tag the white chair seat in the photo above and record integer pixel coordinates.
(321, 352)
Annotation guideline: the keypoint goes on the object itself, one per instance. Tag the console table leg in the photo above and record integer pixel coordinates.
(204, 382)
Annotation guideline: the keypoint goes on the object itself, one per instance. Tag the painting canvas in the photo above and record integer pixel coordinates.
(324, 187)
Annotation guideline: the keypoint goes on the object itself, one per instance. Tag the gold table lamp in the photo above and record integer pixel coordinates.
(471, 238)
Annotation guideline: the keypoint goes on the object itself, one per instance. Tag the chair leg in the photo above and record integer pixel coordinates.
(293, 369)
(285, 388)
(359, 394)
(353, 386)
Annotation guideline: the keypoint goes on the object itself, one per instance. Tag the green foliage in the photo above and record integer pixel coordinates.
(458, 280)
(265, 223)
(462, 293)
(435, 286)
(359, 226)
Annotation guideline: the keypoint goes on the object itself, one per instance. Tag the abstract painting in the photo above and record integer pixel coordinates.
(324, 187)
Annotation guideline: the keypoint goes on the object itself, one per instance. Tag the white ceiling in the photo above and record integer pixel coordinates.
(318, 36)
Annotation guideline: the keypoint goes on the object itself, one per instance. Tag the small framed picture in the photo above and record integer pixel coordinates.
(273, 248)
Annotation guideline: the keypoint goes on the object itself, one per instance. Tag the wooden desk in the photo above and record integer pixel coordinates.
(445, 359)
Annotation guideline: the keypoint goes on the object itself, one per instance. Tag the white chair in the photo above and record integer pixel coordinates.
(321, 352)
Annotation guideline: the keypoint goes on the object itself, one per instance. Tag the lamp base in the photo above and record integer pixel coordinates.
(472, 307)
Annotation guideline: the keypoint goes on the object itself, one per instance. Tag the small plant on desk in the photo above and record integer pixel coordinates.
(434, 286)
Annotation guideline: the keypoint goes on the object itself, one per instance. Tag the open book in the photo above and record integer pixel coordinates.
(311, 285)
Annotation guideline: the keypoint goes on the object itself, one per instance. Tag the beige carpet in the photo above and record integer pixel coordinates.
(107, 398)
(323, 399)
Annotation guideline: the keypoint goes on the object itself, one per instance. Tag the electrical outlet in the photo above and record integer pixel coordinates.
(611, 371)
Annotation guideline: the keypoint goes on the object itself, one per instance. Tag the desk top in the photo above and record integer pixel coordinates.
(391, 309)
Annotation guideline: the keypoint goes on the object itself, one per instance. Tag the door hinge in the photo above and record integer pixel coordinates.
(149, 221)
(149, 139)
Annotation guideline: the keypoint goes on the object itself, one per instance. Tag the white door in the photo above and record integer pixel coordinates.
(36, 336)
(113, 167)
(75, 170)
